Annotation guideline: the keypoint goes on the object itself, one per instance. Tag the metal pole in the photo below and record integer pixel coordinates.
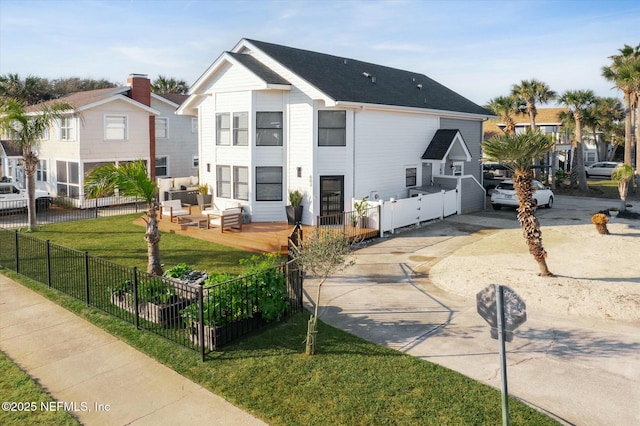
(503, 357)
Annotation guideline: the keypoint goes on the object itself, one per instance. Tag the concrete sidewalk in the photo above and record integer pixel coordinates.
(76, 362)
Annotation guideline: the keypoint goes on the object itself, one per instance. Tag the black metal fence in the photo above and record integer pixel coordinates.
(199, 317)
(13, 214)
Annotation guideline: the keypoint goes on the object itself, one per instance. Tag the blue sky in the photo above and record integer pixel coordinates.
(477, 48)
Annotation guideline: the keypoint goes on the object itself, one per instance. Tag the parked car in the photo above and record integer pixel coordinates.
(504, 195)
(13, 198)
(601, 169)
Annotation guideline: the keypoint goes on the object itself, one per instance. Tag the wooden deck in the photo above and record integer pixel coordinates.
(259, 237)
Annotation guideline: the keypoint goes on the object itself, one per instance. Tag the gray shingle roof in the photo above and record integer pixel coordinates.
(350, 80)
(259, 69)
(440, 144)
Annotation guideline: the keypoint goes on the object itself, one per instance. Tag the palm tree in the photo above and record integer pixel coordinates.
(131, 179)
(600, 118)
(530, 93)
(25, 129)
(30, 90)
(164, 84)
(505, 107)
(578, 102)
(517, 152)
(624, 71)
(623, 174)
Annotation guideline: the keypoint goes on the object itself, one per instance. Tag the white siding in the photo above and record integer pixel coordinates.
(385, 144)
(300, 143)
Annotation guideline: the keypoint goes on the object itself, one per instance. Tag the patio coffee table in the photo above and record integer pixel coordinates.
(198, 221)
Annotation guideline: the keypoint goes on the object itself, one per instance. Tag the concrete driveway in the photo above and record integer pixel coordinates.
(578, 371)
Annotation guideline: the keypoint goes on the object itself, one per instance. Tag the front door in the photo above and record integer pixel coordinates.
(331, 194)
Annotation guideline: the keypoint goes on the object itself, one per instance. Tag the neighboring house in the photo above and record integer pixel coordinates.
(275, 118)
(549, 122)
(111, 126)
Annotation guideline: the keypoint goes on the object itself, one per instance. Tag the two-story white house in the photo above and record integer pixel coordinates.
(110, 126)
(275, 118)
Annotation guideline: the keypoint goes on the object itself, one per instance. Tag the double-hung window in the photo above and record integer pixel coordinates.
(269, 128)
(240, 128)
(223, 129)
(67, 128)
(268, 183)
(162, 166)
(115, 127)
(162, 128)
(41, 171)
(240, 183)
(223, 181)
(410, 176)
(332, 128)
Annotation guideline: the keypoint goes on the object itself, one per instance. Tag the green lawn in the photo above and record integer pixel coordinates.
(598, 188)
(349, 382)
(120, 240)
(16, 386)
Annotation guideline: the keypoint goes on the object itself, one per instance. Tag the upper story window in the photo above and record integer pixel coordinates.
(67, 128)
(411, 176)
(332, 128)
(269, 128)
(240, 128)
(194, 125)
(115, 127)
(45, 135)
(223, 129)
(162, 128)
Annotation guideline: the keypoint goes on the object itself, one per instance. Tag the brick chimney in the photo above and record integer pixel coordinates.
(140, 88)
(141, 92)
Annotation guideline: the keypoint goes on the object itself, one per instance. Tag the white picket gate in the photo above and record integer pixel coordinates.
(411, 211)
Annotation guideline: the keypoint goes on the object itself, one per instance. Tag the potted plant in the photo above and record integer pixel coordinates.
(361, 211)
(204, 198)
(294, 209)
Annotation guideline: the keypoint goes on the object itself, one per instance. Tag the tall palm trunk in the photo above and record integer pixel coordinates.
(582, 178)
(528, 220)
(30, 162)
(152, 236)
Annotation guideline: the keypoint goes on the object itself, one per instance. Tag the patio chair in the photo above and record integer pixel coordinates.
(229, 219)
(174, 209)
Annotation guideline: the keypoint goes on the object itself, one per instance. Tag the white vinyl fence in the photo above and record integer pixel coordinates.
(411, 211)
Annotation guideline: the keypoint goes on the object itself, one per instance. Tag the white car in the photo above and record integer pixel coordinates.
(504, 195)
(601, 169)
(14, 198)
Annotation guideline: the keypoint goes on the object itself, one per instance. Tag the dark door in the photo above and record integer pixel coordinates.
(332, 195)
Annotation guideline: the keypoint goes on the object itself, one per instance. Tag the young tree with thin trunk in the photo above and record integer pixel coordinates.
(25, 129)
(324, 252)
(517, 153)
(132, 179)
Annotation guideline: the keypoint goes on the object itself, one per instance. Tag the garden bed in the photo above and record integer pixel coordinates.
(165, 315)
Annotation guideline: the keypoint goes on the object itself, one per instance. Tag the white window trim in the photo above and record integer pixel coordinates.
(194, 124)
(195, 161)
(166, 165)
(405, 176)
(167, 135)
(72, 126)
(126, 126)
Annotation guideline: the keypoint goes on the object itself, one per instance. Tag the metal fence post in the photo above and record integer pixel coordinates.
(48, 263)
(135, 296)
(201, 321)
(17, 237)
(86, 277)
